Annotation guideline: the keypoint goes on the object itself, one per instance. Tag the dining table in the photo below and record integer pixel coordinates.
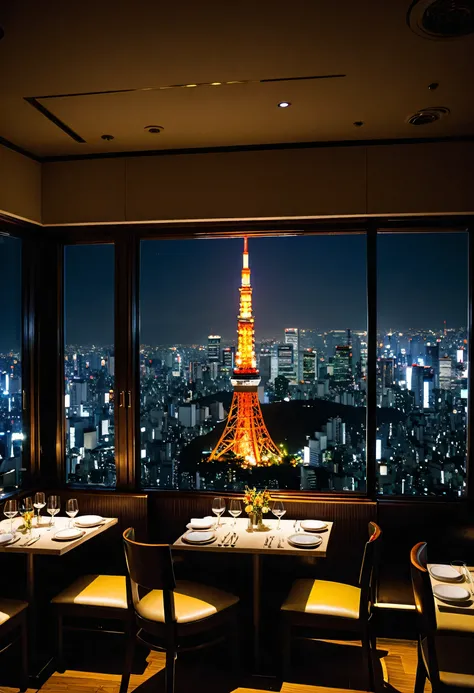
(42, 542)
(240, 539)
(451, 617)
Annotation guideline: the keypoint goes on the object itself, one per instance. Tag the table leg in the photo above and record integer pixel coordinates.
(256, 610)
(30, 598)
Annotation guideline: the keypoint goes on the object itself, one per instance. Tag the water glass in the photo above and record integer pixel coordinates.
(11, 510)
(278, 510)
(235, 510)
(72, 508)
(218, 508)
(53, 506)
(39, 503)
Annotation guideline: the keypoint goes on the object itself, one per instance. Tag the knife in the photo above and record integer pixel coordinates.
(235, 541)
(33, 541)
(229, 541)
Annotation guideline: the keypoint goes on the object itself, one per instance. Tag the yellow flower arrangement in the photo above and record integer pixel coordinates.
(256, 501)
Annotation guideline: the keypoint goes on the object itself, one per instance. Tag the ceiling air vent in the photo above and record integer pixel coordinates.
(428, 115)
(441, 19)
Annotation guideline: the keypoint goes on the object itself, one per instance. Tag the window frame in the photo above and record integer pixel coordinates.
(127, 239)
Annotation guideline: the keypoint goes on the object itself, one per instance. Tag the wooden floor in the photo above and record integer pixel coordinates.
(397, 658)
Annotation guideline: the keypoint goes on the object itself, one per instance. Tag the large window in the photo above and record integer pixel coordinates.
(279, 402)
(89, 364)
(11, 433)
(422, 363)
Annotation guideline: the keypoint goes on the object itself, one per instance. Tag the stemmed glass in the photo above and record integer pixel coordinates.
(40, 502)
(278, 510)
(11, 510)
(218, 508)
(235, 510)
(53, 507)
(72, 508)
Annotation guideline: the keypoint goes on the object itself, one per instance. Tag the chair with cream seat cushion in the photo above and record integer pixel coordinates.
(91, 596)
(170, 615)
(322, 605)
(14, 626)
(447, 660)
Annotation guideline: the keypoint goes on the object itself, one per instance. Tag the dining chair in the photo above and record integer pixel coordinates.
(173, 615)
(446, 660)
(98, 597)
(14, 627)
(314, 608)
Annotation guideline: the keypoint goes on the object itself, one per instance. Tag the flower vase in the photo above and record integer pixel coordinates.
(256, 521)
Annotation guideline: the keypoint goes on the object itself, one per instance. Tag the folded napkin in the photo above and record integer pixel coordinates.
(201, 521)
(5, 538)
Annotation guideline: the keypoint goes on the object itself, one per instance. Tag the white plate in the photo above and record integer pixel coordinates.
(313, 525)
(446, 573)
(308, 541)
(89, 521)
(6, 538)
(68, 534)
(199, 537)
(451, 593)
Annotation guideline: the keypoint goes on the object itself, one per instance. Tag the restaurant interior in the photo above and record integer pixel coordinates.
(236, 420)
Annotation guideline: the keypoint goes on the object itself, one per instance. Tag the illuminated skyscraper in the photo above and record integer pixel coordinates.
(214, 348)
(343, 364)
(292, 336)
(245, 433)
(309, 366)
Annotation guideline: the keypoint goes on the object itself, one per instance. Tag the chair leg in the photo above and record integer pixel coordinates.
(376, 666)
(170, 670)
(127, 669)
(24, 655)
(367, 655)
(59, 643)
(420, 674)
(286, 653)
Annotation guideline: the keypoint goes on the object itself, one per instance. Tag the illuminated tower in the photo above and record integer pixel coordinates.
(245, 433)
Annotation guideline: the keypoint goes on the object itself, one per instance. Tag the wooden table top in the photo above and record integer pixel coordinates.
(47, 545)
(454, 617)
(253, 542)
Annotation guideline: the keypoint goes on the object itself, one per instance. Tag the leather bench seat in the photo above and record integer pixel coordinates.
(95, 590)
(192, 602)
(10, 608)
(324, 598)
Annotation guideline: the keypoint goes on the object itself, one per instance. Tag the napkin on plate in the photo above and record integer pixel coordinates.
(5, 538)
(203, 522)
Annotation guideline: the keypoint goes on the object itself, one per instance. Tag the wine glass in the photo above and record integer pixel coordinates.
(235, 510)
(278, 510)
(40, 502)
(72, 508)
(218, 508)
(53, 507)
(11, 510)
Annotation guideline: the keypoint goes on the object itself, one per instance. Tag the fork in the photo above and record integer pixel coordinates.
(229, 541)
(270, 542)
(266, 542)
(235, 540)
(221, 542)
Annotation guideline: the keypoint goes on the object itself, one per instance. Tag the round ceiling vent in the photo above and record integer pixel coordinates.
(441, 19)
(425, 116)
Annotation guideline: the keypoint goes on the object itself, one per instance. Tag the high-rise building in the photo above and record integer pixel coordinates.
(265, 365)
(445, 373)
(292, 336)
(245, 433)
(432, 360)
(79, 392)
(228, 357)
(343, 364)
(310, 365)
(214, 348)
(285, 360)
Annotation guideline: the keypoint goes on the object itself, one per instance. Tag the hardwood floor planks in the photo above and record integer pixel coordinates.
(399, 662)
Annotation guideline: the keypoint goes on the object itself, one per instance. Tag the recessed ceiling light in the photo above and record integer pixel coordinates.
(107, 138)
(433, 86)
(284, 104)
(154, 129)
(358, 123)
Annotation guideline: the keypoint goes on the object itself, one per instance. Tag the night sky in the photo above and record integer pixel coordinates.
(189, 289)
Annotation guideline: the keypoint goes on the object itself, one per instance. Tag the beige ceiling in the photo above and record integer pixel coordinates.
(61, 48)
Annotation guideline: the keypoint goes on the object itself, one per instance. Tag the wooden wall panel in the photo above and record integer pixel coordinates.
(420, 178)
(84, 191)
(20, 185)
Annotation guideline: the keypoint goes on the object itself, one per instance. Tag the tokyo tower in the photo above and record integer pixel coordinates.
(245, 433)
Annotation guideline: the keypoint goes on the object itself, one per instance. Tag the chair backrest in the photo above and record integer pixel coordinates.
(150, 567)
(425, 608)
(369, 569)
